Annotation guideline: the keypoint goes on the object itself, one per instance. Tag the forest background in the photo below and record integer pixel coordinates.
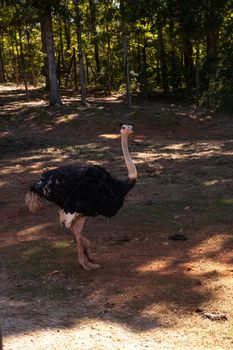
(166, 48)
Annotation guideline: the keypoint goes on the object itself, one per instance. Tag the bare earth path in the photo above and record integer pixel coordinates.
(152, 292)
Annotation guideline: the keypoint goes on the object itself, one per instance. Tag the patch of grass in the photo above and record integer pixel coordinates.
(35, 258)
(68, 119)
(164, 211)
(223, 202)
(201, 212)
(42, 116)
(157, 118)
(40, 268)
(91, 148)
(207, 212)
(7, 120)
(168, 119)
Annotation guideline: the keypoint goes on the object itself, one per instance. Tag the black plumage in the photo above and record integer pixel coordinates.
(87, 190)
(81, 191)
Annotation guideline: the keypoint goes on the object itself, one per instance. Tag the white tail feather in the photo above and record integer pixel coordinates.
(34, 202)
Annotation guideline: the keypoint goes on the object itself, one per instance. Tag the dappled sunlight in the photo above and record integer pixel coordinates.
(84, 335)
(13, 87)
(214, 241)
(113, 98)
(24, 103)
(143, 157)
(30, 232)
(65, 119)
(197, 146)
(110, 136)
(4, 183)
(148, 286)
(217, 182)
(71, 99)
(197, 150)
(157, 265)
(179, 152)
(18, 169)
(213, 253)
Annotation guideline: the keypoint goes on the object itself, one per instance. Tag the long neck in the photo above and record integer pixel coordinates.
(132, 171)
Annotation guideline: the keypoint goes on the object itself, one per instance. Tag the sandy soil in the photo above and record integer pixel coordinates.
(151, 292)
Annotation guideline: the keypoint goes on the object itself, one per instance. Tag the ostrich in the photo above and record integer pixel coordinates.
(81, 191)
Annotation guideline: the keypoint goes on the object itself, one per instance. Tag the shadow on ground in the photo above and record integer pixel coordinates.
(185, 186)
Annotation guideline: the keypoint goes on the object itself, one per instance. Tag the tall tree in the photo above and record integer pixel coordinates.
(167, 45)
(125, 52)
(2, 71)
(47, 35)
(92, 5)
(80, 53)
(162, 58)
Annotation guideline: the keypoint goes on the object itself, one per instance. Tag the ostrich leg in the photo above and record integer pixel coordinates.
(82, 245)
(86, 246)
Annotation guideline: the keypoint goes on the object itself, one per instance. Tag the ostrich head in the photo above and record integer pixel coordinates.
(126, 129)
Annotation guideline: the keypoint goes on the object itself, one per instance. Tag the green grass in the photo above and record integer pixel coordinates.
(161, 119)
(223, 202)
(87, 149)
(31, 266)
(202, 212)
(41, 116)
(163, 212)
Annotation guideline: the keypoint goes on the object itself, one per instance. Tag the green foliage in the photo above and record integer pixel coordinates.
(162, 37)
(220, 91)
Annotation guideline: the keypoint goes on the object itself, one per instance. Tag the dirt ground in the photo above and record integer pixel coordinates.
(151, 292)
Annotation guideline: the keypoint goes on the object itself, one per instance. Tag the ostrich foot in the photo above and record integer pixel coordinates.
(93, 266)
(83, 245)
(85, 259)
(86, 247)
(87, 265)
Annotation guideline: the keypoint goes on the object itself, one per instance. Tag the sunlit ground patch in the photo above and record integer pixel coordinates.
(110, 136)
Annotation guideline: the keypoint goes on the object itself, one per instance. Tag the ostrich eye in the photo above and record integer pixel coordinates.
(123, 127)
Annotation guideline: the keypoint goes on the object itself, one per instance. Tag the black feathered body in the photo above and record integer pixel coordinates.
(89, 190)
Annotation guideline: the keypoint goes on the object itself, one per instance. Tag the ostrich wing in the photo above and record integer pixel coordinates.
(90, 191)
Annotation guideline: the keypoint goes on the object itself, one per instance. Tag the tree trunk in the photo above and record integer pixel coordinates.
(58, 70)
(75, 69)
(145, 91)
(188, 62)
(44, 49)
(67, 35)
(15, 64)
(47, 34)
(211, 52)
(2, 71)
(138, 64)
(212, 43)
(87, 69)
(94, 33)
(197, 77)
(125, 53)
(174, 62)
(80, 53)
(109, 82)
(33, 75)
(22, 64)
(162, 58)
(69, 69)
(61, 45)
